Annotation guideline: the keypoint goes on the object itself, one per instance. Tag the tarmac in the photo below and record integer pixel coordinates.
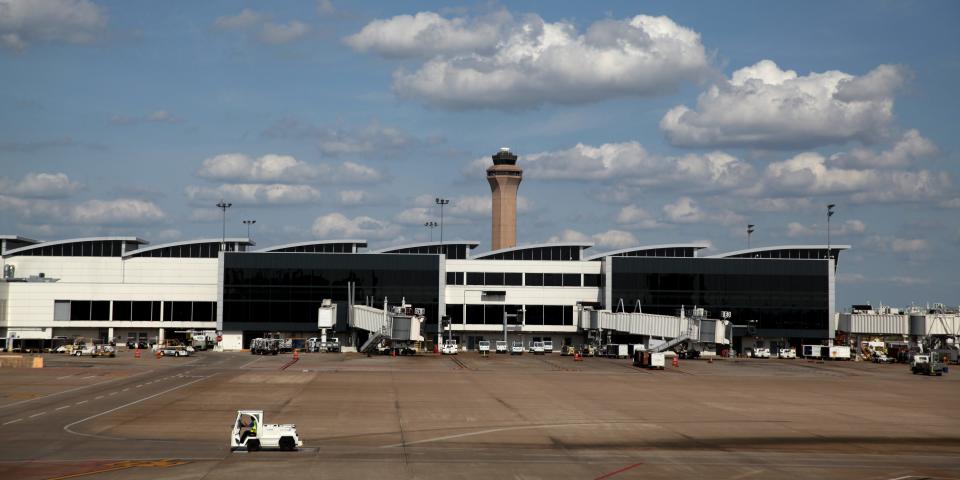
(467, 416)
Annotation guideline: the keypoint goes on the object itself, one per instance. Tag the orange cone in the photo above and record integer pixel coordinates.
(137, 353)
(676, 361)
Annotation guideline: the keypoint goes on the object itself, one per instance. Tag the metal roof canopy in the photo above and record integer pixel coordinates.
(779, 247)
(358, 243)
(51, 243)
(614, 253)
(151, 248)
(582, 245)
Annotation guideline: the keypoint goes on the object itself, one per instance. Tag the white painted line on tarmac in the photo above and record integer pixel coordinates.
(37, 414)
(140, 386)
(903, 477)
(88, 376)
(13, 421)
(73, 389)
(81, 402)
(251, 362)
(124, 390)
(61, 408)
(65, 376)
(67, 428)
(112, 393)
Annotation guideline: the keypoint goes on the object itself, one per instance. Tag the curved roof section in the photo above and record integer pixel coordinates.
(19, 238)
(760, 250)
(579, 245)
(136, 240)
(140, 251)
(641, 248)
(469, 244)
(356, 242)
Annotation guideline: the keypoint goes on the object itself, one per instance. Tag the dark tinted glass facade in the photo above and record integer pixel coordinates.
(661, 252)
(788, 298)
(283, 291)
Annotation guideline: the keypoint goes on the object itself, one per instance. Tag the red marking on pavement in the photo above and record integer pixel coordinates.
(291, 362)
(618, 472)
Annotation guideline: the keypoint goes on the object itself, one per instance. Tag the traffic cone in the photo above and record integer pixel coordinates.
(137, 353)
(393, 352)
(296, 354)
(676, 361)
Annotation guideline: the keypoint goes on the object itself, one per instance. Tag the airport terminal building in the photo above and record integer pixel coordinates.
(118, 288)
(122, 288)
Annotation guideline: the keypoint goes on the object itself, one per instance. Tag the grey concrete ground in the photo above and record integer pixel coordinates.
(471, 417)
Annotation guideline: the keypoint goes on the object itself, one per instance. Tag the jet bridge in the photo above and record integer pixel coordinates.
(676, 330)
(399, 327)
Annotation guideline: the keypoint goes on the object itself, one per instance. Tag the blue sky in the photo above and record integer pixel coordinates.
(637, 123)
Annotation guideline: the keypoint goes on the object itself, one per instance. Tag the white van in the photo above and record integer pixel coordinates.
(502, 346)
(536, 348)
(483, 346)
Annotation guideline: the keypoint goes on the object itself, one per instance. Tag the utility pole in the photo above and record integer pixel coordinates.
(223, 236)
(442, 202)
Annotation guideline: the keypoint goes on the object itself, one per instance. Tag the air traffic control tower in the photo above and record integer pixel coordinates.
(504, 178)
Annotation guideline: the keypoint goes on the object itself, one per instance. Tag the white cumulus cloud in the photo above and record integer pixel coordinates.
(630, 163)
(763, 106)
(687, 210)
(611, 239)
(848, 227)
(272, 168)
(499, 61)
(254, 194)
(40, 185)
(908, 149)
(277, 33)
(23, 22)
(337, 225)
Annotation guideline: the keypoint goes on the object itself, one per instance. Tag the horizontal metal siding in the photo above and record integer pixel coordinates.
(884, 324)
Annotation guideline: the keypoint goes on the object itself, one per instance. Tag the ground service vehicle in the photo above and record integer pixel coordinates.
(925, 365)
(787, 353)
(333, 345)
(251, 434)
(548, 346)
(175, 351)
(616, 350)
(761, 352)
(517, 348)
(652, 360)
(449, 347)
(839, 353)
(536, 348)
(812, 351)
(883, 358)
(483, 346)
(264, 346)
(501, 346)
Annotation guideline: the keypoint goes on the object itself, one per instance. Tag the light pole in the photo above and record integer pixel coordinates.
(248, 223)
(829, 214)
(749, 232)
(223, 236)
(442, 202)
(431, 225)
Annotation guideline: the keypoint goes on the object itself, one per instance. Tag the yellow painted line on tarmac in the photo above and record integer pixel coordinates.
(113, 467)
